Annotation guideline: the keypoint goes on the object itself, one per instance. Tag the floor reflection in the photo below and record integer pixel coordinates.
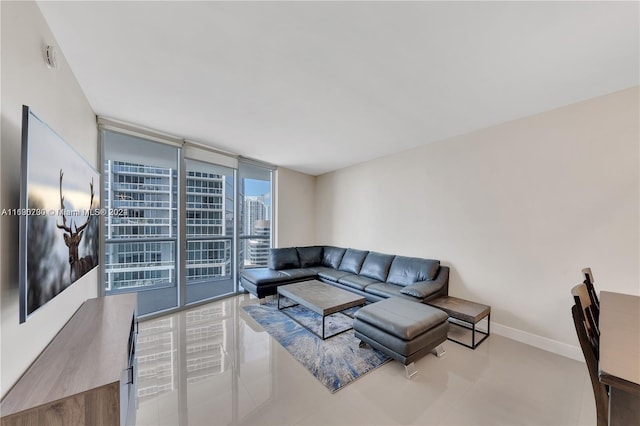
(194, 366)
(213, 365)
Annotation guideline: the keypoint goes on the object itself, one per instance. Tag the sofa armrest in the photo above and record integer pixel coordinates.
(430, 288)
(443, 280)
(421, 289)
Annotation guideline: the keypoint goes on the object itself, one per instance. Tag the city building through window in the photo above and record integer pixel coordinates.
(151, 191)
(256, 215)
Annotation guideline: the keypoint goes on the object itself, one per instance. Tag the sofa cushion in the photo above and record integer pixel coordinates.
(389, 290)
(309, 256)
(333, 274)
(260, 276)
(357, 281)
(352, 260)
(300, 273)
(318, 269)
(332, 256)
(421, 289)
(283, 258)
(376, 266)
(408, 270)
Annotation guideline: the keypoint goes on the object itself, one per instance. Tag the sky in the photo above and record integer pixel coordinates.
(256, 187)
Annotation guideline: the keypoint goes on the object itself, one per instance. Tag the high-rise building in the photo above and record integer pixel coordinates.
(254, 209)
(256, 225)
(140, 202)
(258, 248)
(207, 257)
(141, 233)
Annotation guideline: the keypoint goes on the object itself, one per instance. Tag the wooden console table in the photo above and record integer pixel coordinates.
(468, 313)
(87, 373)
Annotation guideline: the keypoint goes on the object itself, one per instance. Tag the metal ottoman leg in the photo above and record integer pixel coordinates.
(410, 370)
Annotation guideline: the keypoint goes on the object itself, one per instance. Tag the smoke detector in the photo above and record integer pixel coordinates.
(51, 57)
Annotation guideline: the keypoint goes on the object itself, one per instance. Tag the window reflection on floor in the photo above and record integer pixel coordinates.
(194, 366)
(156, 357)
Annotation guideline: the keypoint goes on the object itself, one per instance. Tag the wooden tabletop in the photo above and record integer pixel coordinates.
(620, 340)
(321, 298)
(461, 309)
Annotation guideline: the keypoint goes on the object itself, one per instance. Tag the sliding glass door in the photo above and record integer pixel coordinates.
(210, 230)
(140, 181)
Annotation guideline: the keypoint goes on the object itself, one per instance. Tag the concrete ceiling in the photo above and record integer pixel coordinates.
(318, 86)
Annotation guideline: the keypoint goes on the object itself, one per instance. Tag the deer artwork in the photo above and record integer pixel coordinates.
(78, 266)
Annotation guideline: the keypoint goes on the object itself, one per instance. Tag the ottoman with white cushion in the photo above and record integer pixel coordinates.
(403, 329)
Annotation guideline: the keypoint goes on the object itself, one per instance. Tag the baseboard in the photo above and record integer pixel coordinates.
(544, 343)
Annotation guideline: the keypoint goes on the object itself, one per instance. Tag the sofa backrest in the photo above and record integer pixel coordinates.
(310, 256)
(352, 260)
(376, 266)
(283, 258)
(332, 256)
(408, 270)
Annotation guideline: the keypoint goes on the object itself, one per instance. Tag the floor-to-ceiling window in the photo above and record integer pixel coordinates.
(179, 220)
(255, 223)
(140, 180)
(210, 228)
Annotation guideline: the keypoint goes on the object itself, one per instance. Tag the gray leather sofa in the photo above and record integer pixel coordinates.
(376, 276)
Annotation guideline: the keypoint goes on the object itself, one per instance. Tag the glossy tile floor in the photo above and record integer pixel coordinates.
(213, 365)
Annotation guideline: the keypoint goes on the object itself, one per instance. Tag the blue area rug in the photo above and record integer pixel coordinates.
(336, 361)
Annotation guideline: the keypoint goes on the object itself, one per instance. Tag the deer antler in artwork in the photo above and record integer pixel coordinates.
(78, 267)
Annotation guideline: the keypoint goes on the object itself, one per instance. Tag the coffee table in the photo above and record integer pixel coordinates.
(321, 298)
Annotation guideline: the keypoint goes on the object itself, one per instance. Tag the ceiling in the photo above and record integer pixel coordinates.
(318, 86)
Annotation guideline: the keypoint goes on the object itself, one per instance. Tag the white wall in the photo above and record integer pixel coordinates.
(516, 210)
(295, 208)
(57, 98)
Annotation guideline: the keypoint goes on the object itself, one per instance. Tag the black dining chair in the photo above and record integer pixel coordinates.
(583, 301)
(595, 302)
(591, 358)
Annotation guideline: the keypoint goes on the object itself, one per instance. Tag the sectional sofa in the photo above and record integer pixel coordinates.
(376, 276)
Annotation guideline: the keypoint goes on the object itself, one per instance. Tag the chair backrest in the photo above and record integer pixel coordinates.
(599, 389)
(595, 302)
(588, 275)
(583, 301)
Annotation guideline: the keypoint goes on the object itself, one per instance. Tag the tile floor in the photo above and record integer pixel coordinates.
(213, 365)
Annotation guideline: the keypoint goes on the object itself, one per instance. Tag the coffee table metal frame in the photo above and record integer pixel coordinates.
(322, 307)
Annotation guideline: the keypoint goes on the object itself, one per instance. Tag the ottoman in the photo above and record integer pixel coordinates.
(403, 329)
